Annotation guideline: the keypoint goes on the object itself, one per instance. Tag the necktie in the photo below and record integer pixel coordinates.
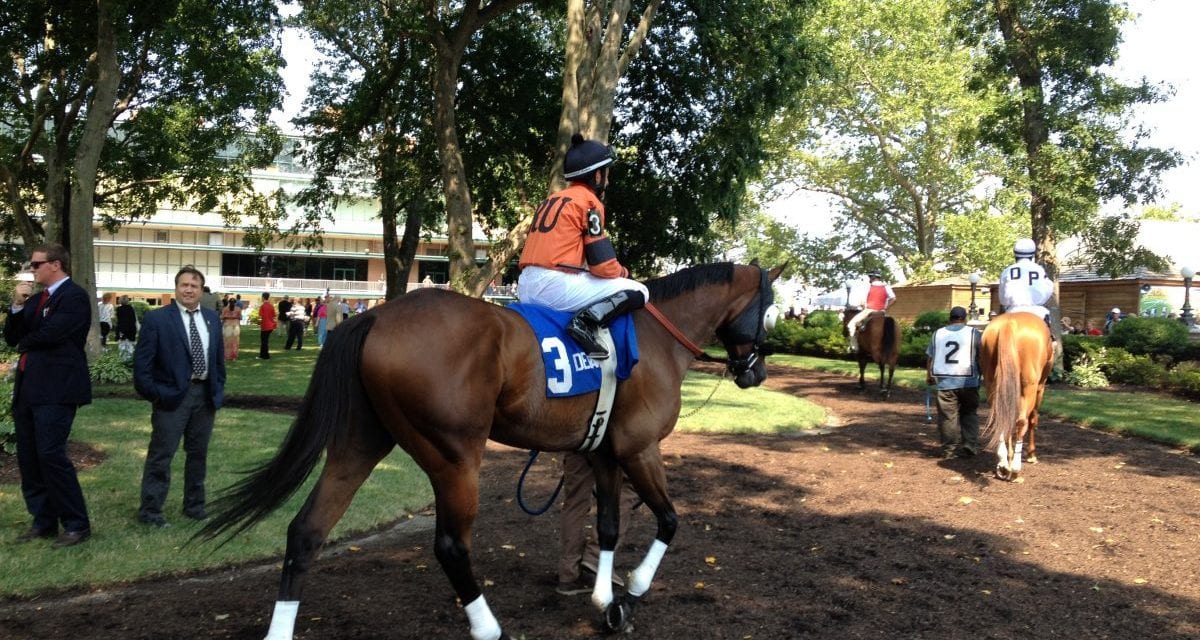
(36, 310)
(197, 346)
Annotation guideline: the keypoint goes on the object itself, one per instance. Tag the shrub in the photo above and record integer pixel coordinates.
(1158, 336)
(110, 367)
(1087, 374)
(1077, 348)
(1121, 366)
(8, 432)
(784, 336)
(139, 309)
(824, 319)
(912, 349)
(930, 321)
(1185, 379)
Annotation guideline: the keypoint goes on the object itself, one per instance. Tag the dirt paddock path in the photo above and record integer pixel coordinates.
(853, 533)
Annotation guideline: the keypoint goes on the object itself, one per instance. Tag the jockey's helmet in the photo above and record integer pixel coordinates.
(586, 156)
(1024, 248)
(874, 275)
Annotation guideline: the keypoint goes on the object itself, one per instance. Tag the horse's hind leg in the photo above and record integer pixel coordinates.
(344, 473)
(1033, 425)
(862, 372)
(456, 494)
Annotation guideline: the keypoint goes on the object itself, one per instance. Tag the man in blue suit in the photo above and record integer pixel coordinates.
(179, 366)
(52, 382)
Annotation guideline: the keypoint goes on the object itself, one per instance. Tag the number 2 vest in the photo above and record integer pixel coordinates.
(954, 352)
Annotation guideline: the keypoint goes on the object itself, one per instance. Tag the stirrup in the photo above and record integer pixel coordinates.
(586, 337)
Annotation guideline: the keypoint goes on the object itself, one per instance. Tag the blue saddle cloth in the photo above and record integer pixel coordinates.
(569, 372)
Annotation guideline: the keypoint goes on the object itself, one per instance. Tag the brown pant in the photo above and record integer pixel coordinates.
(577, 534)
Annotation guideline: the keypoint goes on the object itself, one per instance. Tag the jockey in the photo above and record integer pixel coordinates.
(1024, 285)
(879, 297)
(568, 262)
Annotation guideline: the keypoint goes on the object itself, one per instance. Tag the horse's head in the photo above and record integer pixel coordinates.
(744, 334)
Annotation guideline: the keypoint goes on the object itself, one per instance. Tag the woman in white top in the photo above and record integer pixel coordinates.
(105, 314)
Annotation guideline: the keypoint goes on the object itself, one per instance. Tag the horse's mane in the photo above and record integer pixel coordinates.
(689, 279)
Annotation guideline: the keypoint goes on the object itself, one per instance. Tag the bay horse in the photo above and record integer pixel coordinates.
(878, 340)
(439, 374)
(1015, 358)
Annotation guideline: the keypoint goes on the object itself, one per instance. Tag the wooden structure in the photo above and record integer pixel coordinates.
(940, 295)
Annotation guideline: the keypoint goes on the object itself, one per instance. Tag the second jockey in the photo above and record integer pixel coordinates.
(879, 297)
(1024, 285)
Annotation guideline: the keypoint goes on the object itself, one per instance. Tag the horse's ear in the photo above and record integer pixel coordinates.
(776, 272)
(754, 262)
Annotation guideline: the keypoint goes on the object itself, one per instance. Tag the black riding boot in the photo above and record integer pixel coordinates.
(588, 320)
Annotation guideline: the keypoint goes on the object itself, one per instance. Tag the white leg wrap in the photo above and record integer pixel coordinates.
(1018, 447)
(602, 595)
(483, 623)
(1002, 454)
(283, 621)
(640, 579)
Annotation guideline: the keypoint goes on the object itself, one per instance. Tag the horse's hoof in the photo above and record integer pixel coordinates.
(1031, 460)
(618, 617)
(1002, 473)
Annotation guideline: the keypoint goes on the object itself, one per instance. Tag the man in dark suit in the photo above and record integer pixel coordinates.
(52, 382)
(179, 366)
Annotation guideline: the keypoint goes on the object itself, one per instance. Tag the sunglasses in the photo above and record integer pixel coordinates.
(34, 264)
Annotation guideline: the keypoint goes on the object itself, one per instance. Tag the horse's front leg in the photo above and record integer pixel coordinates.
(862, 372)
(608, 525)
(649, 478)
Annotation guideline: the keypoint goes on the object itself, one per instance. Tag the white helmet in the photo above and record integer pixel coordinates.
(1024, 248)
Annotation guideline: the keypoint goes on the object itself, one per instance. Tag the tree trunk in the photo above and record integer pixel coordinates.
(594, 62)
(1023, 56)
(78, 226)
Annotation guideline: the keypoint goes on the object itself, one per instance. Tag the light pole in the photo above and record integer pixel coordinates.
(1186, 316)
(974, 280)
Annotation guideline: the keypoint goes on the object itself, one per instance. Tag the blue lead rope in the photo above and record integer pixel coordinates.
(928, 397)
(533, 454)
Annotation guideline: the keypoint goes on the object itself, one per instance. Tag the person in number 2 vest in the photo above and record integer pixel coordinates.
(952, 363)
(569, 263)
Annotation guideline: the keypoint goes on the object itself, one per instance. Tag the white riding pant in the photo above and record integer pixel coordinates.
(570, 291)
(852, 326)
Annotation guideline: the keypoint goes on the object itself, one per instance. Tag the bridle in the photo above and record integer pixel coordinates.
(750, 326)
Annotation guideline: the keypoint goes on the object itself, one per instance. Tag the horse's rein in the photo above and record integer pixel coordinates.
(682, 339)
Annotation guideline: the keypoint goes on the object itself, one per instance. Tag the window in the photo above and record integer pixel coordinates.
(216, 239)
(162, 236)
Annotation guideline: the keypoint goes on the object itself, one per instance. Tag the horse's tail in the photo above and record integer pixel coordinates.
(1004, 393)
(335, 388)
(890, 346)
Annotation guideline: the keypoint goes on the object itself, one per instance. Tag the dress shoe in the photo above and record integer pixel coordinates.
(71, 538)
(154, 521)
(33, 533)
(196, 514)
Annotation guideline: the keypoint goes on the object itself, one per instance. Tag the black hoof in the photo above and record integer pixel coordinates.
(618, 617)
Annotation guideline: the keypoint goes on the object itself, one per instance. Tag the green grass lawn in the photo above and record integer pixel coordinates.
(121, 549)
(1165, 419)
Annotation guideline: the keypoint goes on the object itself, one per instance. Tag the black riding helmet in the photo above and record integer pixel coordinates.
(584, 158)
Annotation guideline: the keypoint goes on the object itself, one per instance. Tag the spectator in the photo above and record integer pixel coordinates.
(104, 315)
(51, 383)
(1067, 325)
(266, 324)
(297, 320)
(952, 363)
(1111, 319)
(209, 300)
(231, 328)
(320, 317)
(126, 327)
(579, 552)
(180, 368)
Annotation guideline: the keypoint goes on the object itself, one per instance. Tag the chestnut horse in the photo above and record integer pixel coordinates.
(1015, 358)
(878, 339)
(440, 373)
